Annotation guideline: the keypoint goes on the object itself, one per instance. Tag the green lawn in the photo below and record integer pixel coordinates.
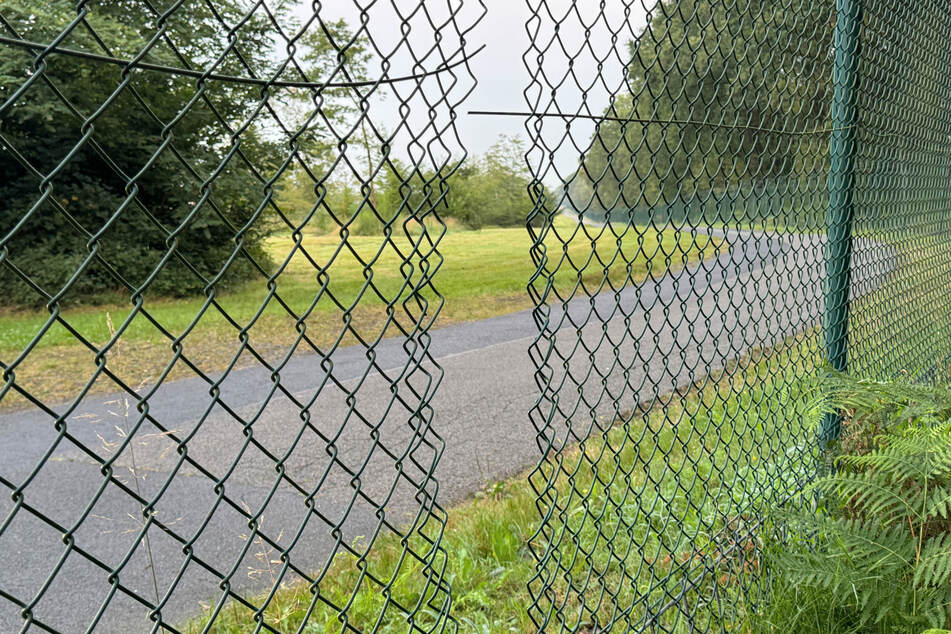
(903, 328)
(479, 273)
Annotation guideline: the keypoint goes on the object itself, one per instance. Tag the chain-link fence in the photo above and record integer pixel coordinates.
(227, 414)
(221, 254)
(812, 138)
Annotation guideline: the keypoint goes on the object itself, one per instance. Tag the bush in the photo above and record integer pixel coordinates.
(492, 191)
(140, 176)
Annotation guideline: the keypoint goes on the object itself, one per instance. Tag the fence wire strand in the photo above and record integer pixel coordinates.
(257, 417)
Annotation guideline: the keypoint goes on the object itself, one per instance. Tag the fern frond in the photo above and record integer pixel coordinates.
(928, 449)
(939, 503)
(871, 547)
(908, 458)
(901, 400)
(816, 570)
(936, 607)
(934, 567)
(874, 493)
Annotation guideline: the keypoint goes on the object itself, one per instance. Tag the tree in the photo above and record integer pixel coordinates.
(331, 124)
(706, 110)
(330, 52)
(170, 165)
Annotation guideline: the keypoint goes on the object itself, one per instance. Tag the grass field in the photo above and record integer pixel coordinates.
(480, 274)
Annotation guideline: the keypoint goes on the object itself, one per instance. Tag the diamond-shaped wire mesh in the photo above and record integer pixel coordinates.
(252, 419)
(809, 137)
(149, 150)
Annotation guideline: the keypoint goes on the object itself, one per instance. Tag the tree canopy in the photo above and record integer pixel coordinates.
(163, 177)
(704, 108)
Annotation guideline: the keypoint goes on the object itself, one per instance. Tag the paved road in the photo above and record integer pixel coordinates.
(649, 340)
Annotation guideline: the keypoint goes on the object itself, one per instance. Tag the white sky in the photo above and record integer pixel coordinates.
(501, 74)
(503, 77)
(499, 67)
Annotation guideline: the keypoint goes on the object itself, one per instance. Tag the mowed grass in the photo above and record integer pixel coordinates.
(678, 482)
(362, 286)
(904, 326)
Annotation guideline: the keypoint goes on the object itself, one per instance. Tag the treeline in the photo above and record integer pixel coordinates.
(488, 190)
(718, 98)
(726, 113)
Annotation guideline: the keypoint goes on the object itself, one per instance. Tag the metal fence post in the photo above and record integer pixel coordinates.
(842, 150)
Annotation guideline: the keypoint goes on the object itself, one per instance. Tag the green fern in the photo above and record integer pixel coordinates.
(881, 541)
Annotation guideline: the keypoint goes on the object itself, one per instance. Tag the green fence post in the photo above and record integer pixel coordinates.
(842, 149)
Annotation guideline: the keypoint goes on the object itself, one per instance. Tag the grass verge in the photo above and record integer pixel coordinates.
(698, 465)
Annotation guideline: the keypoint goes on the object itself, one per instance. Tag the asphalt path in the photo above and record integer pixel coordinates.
(627, 347)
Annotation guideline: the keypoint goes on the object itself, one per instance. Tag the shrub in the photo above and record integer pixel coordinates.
(106, 175)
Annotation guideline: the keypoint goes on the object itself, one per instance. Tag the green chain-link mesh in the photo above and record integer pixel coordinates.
(215, 446)
(151, 146)
(812, 138)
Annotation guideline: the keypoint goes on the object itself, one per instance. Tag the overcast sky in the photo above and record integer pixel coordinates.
(501, 71)
(499, 67)
(501, 74)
